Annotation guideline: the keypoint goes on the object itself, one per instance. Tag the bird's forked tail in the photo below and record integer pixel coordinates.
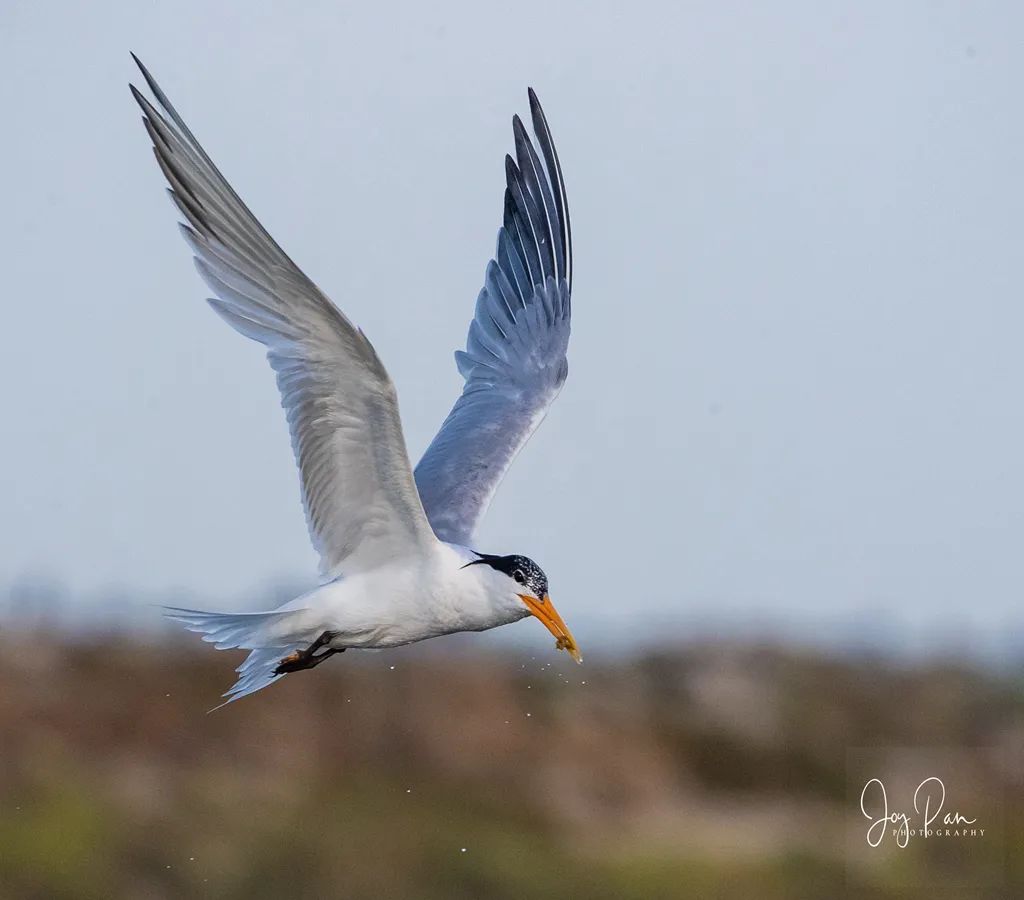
(266, 634)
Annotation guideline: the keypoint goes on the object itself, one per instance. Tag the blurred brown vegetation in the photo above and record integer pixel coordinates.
(708, 771)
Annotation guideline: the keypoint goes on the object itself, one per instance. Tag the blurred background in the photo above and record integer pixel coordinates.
(781, 493)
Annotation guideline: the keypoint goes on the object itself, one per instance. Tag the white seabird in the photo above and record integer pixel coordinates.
(396, 550)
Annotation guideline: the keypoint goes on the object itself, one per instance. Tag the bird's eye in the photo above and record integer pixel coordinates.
(519, 577)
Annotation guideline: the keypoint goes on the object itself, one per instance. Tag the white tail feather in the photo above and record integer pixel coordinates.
(266, 634)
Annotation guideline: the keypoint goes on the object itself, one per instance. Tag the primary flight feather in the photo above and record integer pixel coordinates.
(396, 549)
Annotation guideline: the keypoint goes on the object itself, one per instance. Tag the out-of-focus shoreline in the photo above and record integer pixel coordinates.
(653, 775)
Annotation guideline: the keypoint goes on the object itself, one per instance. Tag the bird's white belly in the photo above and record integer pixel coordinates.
(402, 603)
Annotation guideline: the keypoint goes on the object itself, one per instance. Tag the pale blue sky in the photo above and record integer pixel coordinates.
(796, 360)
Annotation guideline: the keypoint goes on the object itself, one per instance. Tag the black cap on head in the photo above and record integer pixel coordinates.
(520, 569)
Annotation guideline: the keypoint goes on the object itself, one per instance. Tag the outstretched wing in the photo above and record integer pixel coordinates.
(514, 364)
(361, 503)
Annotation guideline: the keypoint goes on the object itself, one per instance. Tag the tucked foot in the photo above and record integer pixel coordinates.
(308, 658)
(288, 662)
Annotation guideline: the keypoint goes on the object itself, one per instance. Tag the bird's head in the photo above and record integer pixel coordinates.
(524, 583)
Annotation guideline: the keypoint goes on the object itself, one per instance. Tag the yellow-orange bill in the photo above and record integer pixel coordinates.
(545, 610)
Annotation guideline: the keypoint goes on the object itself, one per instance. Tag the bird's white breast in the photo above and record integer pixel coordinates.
(410, 600)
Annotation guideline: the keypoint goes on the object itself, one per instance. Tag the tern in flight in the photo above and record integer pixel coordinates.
(396, 549)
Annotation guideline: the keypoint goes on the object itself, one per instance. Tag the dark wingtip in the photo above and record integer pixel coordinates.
(140, 98)
(138, 62)
(142, 68)
(536, 110)
(155, 88)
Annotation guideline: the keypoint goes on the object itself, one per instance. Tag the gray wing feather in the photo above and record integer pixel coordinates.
(514, 363)
(361, 503)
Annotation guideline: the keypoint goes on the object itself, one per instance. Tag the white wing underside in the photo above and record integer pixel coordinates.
(514, 364)
(361, 502)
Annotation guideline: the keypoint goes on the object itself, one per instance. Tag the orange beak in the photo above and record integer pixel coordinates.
(545, 611)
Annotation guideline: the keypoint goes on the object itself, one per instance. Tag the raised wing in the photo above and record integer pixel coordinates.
(514, 364)
(361, 503)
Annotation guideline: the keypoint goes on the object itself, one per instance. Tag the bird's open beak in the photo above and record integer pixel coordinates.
(546, 612)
